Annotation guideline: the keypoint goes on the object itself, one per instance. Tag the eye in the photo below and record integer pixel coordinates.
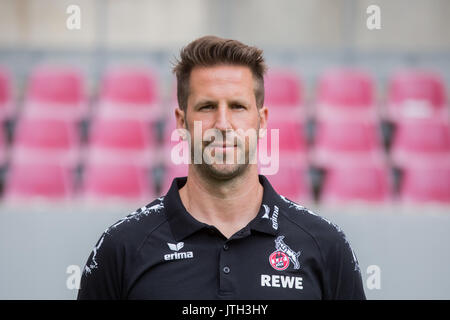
(206, 107)
(238, 106)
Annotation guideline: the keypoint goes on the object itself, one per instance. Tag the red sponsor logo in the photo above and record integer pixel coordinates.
(279, 260)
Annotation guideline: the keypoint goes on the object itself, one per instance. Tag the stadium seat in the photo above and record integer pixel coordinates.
(172, 171)
(418, 140)
(426, 183)
(292, 181)
(351, 182)
(6, 95)
(283, 95)
(57, 92)
(121, 138)
(416, 93)
(130, 92)
(347, 93)
(292, 142)
(116, 180)
(342, 140)
(291, 135)
(26, 179)
(3, 148)
(49, 139)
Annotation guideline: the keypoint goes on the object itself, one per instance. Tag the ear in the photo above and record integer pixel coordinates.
(180, 122)
(263, 116)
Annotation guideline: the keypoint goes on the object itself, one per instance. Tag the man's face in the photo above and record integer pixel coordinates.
(222, 98)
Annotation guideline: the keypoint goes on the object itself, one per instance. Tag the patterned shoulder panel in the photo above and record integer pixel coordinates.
(154, 207)
(302, 209)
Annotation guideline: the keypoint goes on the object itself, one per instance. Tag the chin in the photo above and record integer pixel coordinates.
(225, 171)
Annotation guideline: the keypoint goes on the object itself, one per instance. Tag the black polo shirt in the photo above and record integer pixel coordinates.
(161, 252)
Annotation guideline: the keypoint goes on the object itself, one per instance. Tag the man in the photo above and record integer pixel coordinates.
(222, 232)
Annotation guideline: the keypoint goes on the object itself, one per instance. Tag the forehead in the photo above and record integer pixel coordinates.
(221, 78)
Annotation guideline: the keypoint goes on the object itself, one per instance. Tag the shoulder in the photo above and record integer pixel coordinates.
(321, 229)
(139, 222)
(329, 237)
(127, 234)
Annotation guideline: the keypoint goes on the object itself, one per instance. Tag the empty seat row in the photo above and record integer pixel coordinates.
(363, 182)
(126, 90)
(333, 141)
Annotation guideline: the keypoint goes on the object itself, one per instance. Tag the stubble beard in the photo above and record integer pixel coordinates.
(224, 171)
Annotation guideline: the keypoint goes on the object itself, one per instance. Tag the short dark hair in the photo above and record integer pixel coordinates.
(211, 50)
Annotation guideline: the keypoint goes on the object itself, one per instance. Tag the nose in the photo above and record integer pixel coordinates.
(222, 121)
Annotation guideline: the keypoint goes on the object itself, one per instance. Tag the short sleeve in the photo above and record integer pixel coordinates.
(101, 278)
(343, 272)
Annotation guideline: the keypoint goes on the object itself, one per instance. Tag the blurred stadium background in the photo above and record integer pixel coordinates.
(363, 116)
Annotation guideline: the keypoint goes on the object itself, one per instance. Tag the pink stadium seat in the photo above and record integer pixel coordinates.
(421, 139)
(291, 145)
(116, 180)
(52, 140)
(124, 85)
(416, 93)
(46, 134)
(56, 91)
(283, 95)
(346, 139)
(282, 88)
(121, 137)
(45, 180)
(6, 98)
(350, 183)
(3, 148)
(130, 92)
(345, 92)
(427, 182)
(172, 171)
(291, 135)
(291, 181)
(57, 85)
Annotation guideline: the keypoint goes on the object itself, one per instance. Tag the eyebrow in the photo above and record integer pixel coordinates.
(214, 103)
(204, 102)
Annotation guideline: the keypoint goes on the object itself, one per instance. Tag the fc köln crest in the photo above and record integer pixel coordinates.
(283, 255)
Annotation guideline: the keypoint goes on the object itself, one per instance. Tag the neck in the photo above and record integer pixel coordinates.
(228, 205)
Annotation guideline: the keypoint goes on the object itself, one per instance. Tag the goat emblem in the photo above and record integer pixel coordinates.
(283, 252)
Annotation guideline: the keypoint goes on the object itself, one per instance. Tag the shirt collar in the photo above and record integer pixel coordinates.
(183, 224)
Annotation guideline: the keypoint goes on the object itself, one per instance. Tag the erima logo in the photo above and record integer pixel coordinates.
(176, 247)
(178, 255)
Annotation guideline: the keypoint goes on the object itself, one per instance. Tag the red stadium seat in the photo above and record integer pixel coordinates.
(6, 96)
(345, 93)
(49, 139)
(416, 93)
(130, 92)
(283, 94)
(364, 182)
(421, 139)
(425, 183)
(26, 180)
(57, 92)
(110, 180)
(121, 138)
(346, 139)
